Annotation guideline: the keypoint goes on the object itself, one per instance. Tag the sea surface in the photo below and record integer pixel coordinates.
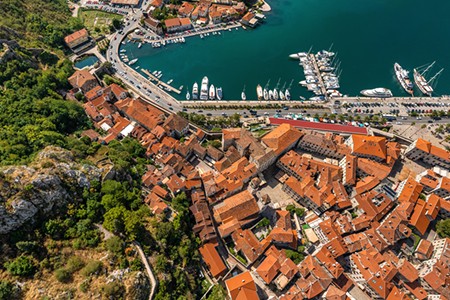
(369, 36)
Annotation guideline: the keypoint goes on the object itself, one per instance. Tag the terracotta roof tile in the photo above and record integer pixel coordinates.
(212, 259)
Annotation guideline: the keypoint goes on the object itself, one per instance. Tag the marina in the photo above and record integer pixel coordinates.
(364, 66)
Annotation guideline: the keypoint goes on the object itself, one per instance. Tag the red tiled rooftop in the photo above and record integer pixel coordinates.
(320, 126)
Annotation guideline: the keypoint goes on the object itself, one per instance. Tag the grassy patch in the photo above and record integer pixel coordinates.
(97, 21)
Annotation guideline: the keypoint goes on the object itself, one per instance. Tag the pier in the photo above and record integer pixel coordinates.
(319, 75)
(162, 83)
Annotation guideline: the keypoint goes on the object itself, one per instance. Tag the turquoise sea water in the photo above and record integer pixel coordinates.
(369, 36)
(86, 61)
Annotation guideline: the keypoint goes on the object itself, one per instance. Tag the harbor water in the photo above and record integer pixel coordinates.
(369, 37)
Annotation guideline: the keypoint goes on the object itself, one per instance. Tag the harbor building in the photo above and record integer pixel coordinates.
(178, 24)
(77, 40)
(153, 25)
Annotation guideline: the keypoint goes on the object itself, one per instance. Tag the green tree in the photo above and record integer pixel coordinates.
(443, 228)
(115, 245)
(21, 266)
(217, 293)
(63, 275)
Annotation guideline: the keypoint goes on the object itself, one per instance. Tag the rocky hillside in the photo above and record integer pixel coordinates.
(52, 181)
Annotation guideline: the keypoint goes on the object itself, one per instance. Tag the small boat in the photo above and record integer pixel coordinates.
(259, 92)
(132, 62)
(219, 93)
(282, 97)
(212, 92)
(195, 91)
(204, 89)
(317, 98)
(170, 81)
(201, 35)
(137, 68)
(270, 94)
(140, 45)
(243, 96)
(123, 51)
(266, 94)
(275, 94)
(188, 96)
(287, 95)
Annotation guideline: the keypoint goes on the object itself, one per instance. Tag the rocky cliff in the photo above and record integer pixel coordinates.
(52, 181)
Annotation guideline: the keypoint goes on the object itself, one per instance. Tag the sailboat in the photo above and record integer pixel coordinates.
(282, 97)
(259, 92)
(266, 92)
(188, 96)
(243, 97)
(275, 92)
(286, 93)
(424, 85)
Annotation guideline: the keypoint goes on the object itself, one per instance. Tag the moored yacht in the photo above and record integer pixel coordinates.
(188, 96)
(195, 91)
(266, 94)
(270, 94)
(377, 93)
(212, 92)
(259, 92)
(282, 97)
(204, 89)
(403, 78)
(288, 95)
(219, 93)
(275, 94)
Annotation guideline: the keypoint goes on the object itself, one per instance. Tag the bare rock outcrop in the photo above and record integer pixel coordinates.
(52, 181)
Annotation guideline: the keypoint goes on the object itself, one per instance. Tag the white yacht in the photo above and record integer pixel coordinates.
(133, 61)
(270, 94)
(266, 94)
(219, 94)
(275, 94)
(259, 92)
(288, 95)
(204, 89)
(212, 92)
(298, 55)
(195, 91)
(377, 93)
(282, 97)
(188, 96)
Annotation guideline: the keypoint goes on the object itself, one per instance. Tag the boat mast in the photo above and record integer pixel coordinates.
(429, 67)
(332, 44)
(267, 84)
(290, 84)
(278, 83)
(434, 77)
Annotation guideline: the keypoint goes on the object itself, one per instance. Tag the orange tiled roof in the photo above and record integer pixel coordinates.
(240, 206)
(76, 35)
(369, 145)
(411, 191)
(269, 268)
(281, 138)
(212, 259)
(242, 287)
(80, 77)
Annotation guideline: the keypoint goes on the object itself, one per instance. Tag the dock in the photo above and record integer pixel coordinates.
(316, 68)
(159, 82)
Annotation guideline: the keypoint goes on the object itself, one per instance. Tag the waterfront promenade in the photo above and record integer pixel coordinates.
(193, 33)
